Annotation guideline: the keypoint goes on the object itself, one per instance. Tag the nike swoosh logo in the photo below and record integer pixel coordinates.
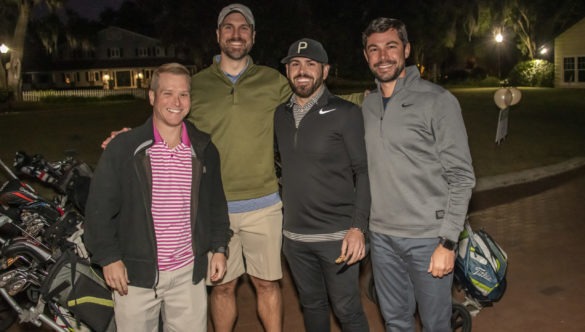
(321, 111)
(406, 105)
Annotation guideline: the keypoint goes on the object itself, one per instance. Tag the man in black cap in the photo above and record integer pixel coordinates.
(326, 191)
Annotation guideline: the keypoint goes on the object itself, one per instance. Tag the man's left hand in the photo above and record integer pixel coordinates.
(217, 267)
(442, 262)
(353, 246)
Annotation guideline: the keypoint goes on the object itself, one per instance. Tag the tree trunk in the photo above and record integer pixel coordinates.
(3, 83)
(17, 51)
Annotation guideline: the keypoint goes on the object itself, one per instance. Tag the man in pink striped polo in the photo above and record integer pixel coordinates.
(156, 208)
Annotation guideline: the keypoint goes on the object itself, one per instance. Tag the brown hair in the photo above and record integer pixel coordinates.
(171, 68)
(383, 24)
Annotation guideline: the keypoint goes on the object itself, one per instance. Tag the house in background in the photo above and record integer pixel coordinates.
(570, 57)
(120, 59)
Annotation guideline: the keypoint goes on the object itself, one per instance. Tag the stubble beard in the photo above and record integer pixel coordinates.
(235, 54)
(388, 77)
(305, 91)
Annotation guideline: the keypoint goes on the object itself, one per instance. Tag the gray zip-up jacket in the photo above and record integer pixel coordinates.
(419, 163)
(119, 224)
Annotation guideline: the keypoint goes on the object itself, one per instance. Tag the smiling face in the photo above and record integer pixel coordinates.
(171, 100)
(235, 36)
(386, 55)
(305, 76)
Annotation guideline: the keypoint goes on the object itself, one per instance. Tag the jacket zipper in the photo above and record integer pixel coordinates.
(141, 175)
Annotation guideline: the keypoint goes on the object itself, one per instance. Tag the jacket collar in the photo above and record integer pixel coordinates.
(219, 71)
(199, 140)
(412, 74)
(323, 100)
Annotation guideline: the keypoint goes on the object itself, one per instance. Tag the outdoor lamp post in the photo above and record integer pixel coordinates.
(499, 39)
(3, 51)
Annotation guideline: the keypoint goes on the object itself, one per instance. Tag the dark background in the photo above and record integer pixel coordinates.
(447, 35)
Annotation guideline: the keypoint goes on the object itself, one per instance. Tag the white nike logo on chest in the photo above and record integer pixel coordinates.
(322, 111)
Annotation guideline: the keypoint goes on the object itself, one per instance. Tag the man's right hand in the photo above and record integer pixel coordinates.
(112, 135)
(117, 277)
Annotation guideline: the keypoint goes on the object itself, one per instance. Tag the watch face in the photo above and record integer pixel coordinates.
(447, 244)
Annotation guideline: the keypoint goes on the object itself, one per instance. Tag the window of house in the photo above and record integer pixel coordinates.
(160, 51)
(569, 69)
(75, 54)
(581, 69)
(44, 78)
(89, 54)
(92, 76)
(115, 52)
(142, 51)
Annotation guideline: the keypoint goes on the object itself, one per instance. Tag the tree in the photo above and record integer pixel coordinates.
(24, 8)
(80, 33)
(6, 25)
(523, 19)
(48, 30)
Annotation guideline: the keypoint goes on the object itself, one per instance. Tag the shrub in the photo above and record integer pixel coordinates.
(75, 99)
(532, 73)
(489, 81)
(5, 95)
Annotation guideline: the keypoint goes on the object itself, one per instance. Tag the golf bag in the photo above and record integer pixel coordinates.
(481, 266)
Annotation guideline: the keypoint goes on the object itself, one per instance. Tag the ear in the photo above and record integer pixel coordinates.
(217, 34)
(407, 50)
(325, 71)
(366, 55)
(151, 96)
(287, 72)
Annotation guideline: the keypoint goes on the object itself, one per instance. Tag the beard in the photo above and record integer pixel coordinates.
(306, 90)
(235, 53)
(387, 76)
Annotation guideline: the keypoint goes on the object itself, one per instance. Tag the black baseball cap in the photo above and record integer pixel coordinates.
(307, 48)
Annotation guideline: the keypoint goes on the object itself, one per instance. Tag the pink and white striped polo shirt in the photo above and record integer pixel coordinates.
(171, 201)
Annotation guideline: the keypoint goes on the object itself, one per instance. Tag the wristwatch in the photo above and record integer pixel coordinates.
(363, 231)
(221, 250)
(447, 244)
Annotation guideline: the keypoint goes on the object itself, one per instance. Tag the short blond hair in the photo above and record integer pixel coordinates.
(171, 68)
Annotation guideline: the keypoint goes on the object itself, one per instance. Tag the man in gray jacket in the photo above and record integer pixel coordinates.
(421, 179)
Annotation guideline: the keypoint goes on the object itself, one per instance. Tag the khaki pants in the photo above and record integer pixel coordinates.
(183, 305)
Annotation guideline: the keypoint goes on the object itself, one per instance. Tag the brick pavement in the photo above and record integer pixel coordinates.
(541, 225)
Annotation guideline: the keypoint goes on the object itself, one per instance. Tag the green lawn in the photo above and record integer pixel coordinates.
(51, 129)
(546, 127)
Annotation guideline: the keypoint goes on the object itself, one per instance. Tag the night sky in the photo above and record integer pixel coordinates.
(91, 9)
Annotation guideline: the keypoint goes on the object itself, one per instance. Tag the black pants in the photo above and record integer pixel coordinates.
(317, 280)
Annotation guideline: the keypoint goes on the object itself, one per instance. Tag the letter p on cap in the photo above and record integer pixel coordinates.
(302, 45)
